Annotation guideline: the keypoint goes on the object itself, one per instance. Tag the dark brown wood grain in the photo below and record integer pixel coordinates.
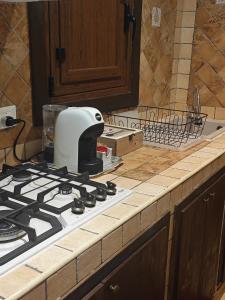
(196, 242)
(101, 64)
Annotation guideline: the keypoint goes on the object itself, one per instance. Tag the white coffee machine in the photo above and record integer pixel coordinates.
(75, 143)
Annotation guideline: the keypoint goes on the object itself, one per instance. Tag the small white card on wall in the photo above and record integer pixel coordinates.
(220, 1)
(156, 17)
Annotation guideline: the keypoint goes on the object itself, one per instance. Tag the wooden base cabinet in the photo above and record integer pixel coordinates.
(136, 273)
(196, 243)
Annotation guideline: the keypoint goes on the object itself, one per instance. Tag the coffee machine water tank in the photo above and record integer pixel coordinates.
(76, 133)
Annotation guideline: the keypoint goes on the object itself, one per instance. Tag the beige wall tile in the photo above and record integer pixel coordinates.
(180, 4)
(10, 159)
(16, 280)
(33, 147)
(149, 216)
(139, 200)
(194, 159)
(121, 211)
(175, 66)
(181, 165)
(184, 35)
(49, 258)
(84, 239)
(209, 149)
(215, 145)
(163, 206)
(187, 188)
(187, 19)
(163, 180)
(183, 51)
(182, 81)
(111, 244)
(126, 183)
(181, 106)
(181, 95)
(210, 111)
(38, 293)
(201, 176)
(175, 197)
(220, 113)
(184, 66)
(88, 261)
(131, 229)
(203, 154)
(101, 224)
(62, 281)
(150, 189)
(189, 5)
(175, 173)
(105, 178)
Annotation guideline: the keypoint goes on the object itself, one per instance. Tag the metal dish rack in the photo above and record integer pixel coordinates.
(161, 126)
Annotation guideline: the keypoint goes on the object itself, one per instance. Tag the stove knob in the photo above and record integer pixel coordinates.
(90, 200)
(101, 194)
(111, 188)
(78, 207)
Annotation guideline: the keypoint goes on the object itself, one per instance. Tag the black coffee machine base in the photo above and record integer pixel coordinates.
(94, 166)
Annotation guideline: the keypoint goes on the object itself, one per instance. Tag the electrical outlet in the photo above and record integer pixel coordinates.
(7, 111)
(220, 1)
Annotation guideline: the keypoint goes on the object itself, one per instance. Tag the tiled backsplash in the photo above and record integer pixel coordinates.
(208, 58)
(157, 53)
(185, 22)
(15, 87)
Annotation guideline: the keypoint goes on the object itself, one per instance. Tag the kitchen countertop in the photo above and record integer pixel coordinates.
(159, 178)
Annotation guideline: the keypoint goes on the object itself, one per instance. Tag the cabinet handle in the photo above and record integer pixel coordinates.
(212, 195)
(114, 288)
(129, 18)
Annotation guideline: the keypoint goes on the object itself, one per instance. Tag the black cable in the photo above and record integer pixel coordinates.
(17, 138)
(10, 121)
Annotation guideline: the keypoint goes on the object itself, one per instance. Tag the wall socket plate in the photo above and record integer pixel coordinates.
(7, 111)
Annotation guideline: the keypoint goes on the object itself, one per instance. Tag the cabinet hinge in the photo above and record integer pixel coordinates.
(50, 85)
(60, 54)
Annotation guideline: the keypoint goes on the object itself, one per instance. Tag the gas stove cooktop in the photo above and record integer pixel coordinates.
(39, 205)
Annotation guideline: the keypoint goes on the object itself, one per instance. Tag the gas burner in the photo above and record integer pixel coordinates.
(65, 189)
(9, 231)
(22, 176)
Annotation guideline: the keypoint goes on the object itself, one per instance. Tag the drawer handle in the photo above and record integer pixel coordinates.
(114, 288)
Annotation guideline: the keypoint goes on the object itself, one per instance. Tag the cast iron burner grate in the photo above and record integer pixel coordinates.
(17, 218)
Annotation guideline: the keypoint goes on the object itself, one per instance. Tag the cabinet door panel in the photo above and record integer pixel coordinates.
(197, 239)
(97, 49)
(190, 250)
(212, 235)
(141, 276)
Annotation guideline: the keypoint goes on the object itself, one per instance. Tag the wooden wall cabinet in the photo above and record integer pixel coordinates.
(196, 243)
(85, 52)
(136, 273)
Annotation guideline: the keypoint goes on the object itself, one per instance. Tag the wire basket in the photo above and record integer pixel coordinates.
(161, 126)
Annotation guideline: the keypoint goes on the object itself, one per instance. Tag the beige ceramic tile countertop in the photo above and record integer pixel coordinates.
(160, 179)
